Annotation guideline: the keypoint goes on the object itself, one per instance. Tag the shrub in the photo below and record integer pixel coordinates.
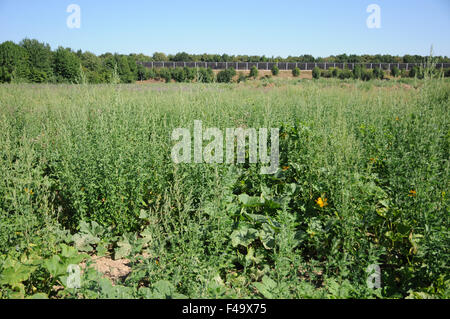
(316, 73)
(165, 74)
(395, 71)
(345, 74)
(326, 73)
(242, 77)
(151, 73)
(378, 73)
(447, 72)
(357, 72)
(226, 76)
(253, 72)
(296, 71)
(404, 73)
(335, 72)
(416, 72)
(178, 74)
(205, 75)
(190, 73)
(367, 75)
(275, 70)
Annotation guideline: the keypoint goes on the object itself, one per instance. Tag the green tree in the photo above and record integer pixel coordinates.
(66, 65)
(357, 71)
(395, 71)
(316, 73)
(39, 60)
(296, 71)
(253, 72)
(275, 70)
(226, 76)
(13, 62)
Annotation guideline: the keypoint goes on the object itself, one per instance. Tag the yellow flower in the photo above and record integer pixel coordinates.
(321, 202)
(412, 193)
(285, 168)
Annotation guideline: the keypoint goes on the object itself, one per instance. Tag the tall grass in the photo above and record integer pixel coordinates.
(379, 154)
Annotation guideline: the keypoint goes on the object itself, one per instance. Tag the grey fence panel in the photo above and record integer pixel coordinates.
(291, 65)
(270, 65)
(240, 66)
(282, 65)
(262, 66)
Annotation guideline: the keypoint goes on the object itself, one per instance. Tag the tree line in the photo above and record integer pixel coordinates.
(34, 61)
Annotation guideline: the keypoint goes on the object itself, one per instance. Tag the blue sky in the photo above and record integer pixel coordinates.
(278, 28)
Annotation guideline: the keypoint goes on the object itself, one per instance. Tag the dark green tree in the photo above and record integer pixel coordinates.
(39, 56)
(66, 65)
(316, 73)
(13, 62)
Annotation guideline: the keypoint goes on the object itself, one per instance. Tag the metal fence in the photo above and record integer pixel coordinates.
(284, 65)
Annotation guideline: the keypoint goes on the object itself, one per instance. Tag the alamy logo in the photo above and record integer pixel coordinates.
(73, 20)
(374, 19)
(213, 152)
(74, 276)
(374, 276)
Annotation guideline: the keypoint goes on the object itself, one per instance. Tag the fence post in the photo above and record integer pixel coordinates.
(246, 65)
(407, 66)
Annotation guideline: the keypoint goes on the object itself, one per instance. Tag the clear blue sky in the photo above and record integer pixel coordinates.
(320, 27)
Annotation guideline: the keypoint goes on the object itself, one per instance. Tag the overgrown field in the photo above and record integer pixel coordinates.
(86, 171)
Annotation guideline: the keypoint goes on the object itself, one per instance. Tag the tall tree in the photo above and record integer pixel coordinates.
(39, 60)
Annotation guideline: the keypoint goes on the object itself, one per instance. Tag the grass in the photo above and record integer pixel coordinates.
(89, 167)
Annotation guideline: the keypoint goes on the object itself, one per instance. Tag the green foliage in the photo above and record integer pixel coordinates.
(13, 62)
(253, 72)
(395, 71)
(296, 72)
(66, 65)
(88, 170)
(416, 72)
(358, 72)
(345, 74)
(205, 75)
(226, 76)
(275, 70)
(316, 73)
(165, 74)
(378, 73)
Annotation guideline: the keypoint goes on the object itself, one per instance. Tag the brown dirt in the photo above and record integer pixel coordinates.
(112, 269)
(304, 74)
